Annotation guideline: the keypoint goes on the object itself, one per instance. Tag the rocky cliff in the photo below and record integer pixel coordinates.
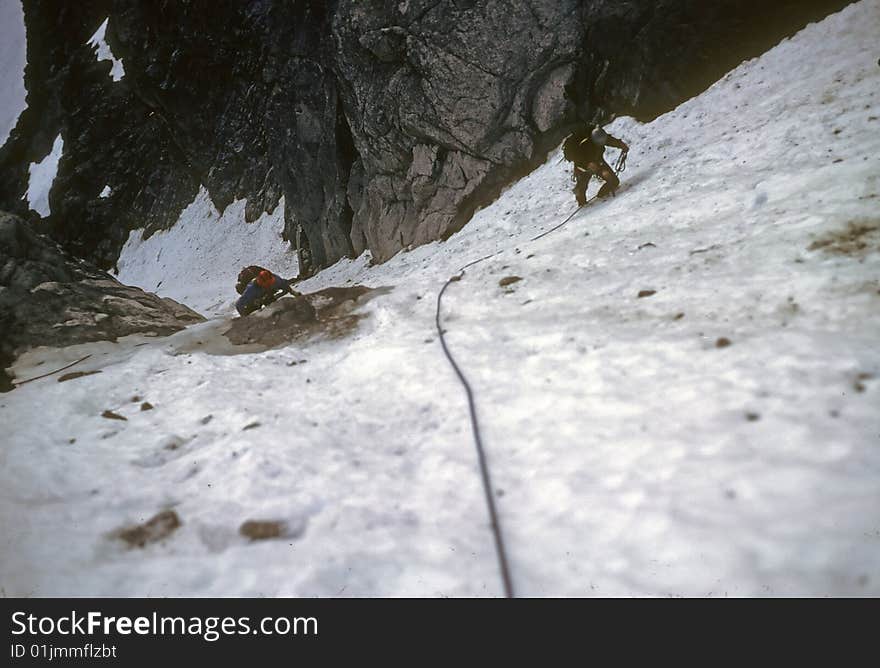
(383, 124)
(49, 298)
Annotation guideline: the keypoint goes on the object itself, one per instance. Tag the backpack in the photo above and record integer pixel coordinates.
(573, 148)
(246, 275)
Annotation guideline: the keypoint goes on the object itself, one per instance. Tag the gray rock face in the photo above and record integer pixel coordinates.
(447, 101)
(48, 298)
(383, 124)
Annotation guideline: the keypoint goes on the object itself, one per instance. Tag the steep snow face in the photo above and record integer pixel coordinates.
(105, 52)
(13, 58)
(41, 175)
(678, 397)
(197, 261)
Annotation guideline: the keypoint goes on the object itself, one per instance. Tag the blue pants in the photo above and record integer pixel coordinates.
(253, 297)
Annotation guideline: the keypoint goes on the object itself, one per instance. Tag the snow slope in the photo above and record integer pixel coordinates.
(13, 58)
(633, 452)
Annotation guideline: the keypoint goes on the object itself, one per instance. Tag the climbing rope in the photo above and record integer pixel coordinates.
(475, 425)
(572, 215)
(478, 440)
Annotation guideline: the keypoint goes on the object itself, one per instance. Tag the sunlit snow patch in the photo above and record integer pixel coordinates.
(105, 53)
(106, 192)
(41, 176)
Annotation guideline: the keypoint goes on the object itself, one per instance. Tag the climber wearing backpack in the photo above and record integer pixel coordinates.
(586, 150)
(246, 275)
(259, 287)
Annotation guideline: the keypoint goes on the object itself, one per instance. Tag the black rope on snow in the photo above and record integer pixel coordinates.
(45, 375)
(475, 426)
(572, 215)
(472, 407)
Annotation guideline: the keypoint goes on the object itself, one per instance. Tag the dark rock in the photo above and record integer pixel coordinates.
(509, 280)
(146, 406)
(646, 293)
(110, 415)
(252, 425)
(48, 298)
(722, 342)
(153, 530)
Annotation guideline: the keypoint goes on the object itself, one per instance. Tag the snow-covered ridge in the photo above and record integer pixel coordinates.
(715, 436)
(99, 42)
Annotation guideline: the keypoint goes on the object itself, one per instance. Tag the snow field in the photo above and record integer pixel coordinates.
(197, 261)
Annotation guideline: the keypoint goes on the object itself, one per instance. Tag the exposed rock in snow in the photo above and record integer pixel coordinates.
(636, 458)
(13, 58)
(382, 128)
(225, 243)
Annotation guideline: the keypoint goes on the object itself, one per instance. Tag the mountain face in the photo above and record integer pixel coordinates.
(383, 125)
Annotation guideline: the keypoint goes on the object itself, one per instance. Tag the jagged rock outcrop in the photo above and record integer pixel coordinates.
(48, 298)
(383, 124)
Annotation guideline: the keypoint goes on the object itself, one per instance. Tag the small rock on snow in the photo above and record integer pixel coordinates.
(155, 529)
